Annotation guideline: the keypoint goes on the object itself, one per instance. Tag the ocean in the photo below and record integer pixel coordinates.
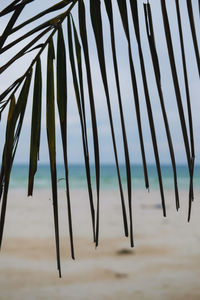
(77, 177)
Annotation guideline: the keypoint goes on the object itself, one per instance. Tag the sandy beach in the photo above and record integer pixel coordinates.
(164, 264)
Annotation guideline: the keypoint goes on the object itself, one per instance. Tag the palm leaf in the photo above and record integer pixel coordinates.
(78, 89)
(62, 109)
(36, 126)
(50, 124)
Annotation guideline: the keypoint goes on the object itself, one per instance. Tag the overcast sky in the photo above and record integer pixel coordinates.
(106, 151)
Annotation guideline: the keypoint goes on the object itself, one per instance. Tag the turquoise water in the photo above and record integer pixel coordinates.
(77, 178)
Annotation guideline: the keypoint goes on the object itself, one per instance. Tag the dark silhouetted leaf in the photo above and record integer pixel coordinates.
(35, 127)
(50, 113)
(62, 109)
(78, 88)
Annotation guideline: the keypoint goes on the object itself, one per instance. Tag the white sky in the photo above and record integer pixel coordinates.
(106, 149)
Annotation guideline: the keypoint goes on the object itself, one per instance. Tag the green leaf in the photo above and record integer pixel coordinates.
(35, 127)
(9, 122)
(62, 109)
(20, 110)
(9, 141)
(71, 56)
(6, 166)
(61, 77)
(50, 124)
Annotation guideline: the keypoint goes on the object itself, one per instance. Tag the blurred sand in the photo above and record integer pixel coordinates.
(164, 264)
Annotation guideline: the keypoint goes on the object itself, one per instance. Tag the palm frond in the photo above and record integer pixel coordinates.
(35, 36)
